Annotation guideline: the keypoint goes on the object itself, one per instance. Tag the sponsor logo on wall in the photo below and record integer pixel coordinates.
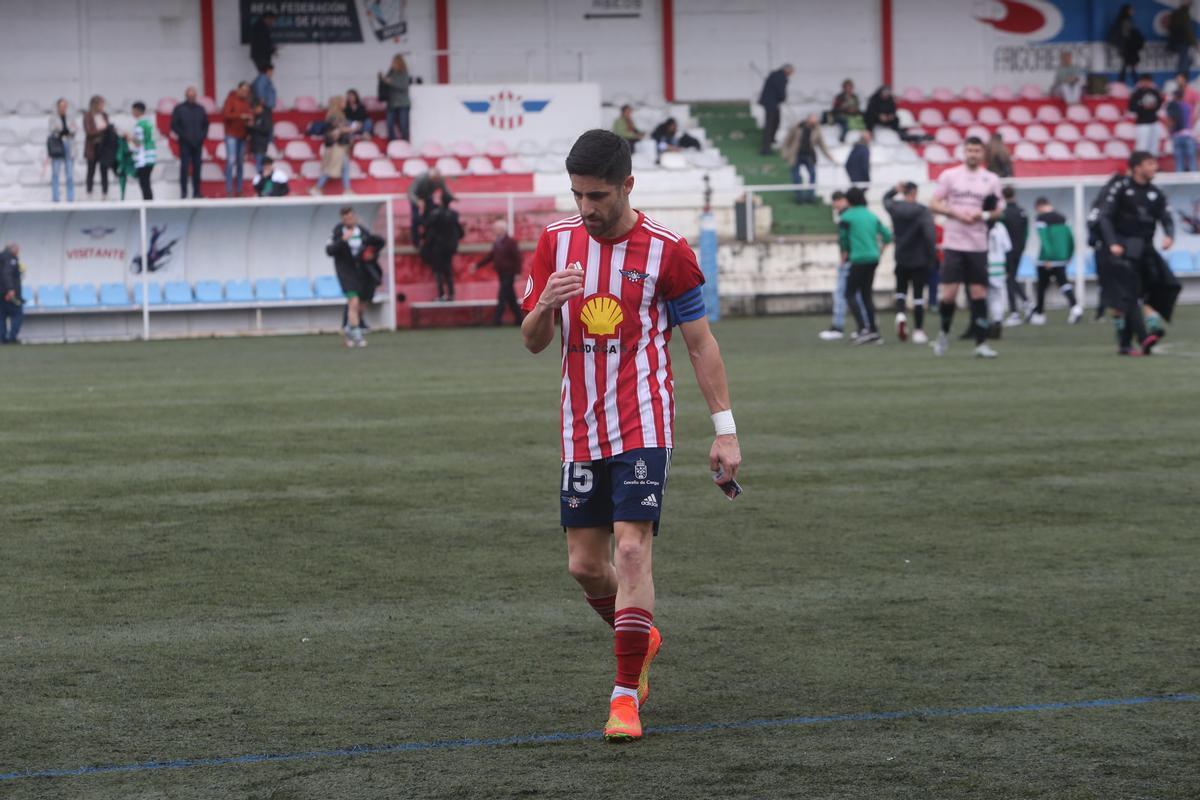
(387, 18)
(506, 109)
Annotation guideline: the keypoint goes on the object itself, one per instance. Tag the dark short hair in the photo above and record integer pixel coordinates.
(138, 105)
(839, 195)
(1042, 201)
(973, 140)
(268, 160)
(600, 154)
(344, 210)
(909, 187)
(1145, 76)
(1138, 156)
(991, 203)
(856, 197)
(1009, 193)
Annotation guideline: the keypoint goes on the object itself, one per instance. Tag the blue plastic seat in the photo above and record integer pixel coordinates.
(268, 289)
(114, 294)
(27, 295)
(1195, 262)
(177, 292)
(82, 295)
(1089, 265)
(298, 289)
(328, 288)
(1027, 270)
(1180, 261)
(51, 297)
(209, 292)
(238, 291)
(154, 292)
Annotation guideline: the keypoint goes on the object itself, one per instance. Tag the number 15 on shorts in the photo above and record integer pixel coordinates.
(578, 477)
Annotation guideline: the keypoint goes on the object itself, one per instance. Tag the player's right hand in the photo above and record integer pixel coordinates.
(1117, 250)
(562, 286)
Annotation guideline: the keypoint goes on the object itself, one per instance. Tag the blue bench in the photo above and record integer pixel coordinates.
(114, 294)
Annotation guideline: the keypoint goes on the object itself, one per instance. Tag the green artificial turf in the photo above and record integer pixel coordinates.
(731, 128)
(228, 547)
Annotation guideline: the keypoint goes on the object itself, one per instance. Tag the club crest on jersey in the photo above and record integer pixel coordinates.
(602, 315)
(634, 276)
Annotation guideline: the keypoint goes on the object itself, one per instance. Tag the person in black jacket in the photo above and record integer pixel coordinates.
(262, 45)
(346, 247)
(1016, 221)
(858, 163)
(881, 110)
(260, 131)
(12, 310)
(189, 123)
(916, 252)
(1131, 211)
(1128, 41)
(774, 94)
(443, 232)
(1144, 103)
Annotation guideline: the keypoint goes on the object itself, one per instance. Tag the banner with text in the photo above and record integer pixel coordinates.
(304, 21)
(540, 112)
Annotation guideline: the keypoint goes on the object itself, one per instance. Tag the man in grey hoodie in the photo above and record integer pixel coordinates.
(916, 251)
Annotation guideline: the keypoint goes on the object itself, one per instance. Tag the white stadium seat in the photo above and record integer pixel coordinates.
(1003, 93)
(560, 147)
(207, 103)
(464, 148)
(1067, 132)
(32, 108)
(414, 167)
(306, 103)
(450, 167)
(942, 95)
(514, 165)
(166, 105)
(1107, 112)
(960, 116)
(948, 136)
(674, 161)
(1097, 132)
(1058, 151)
(33, 176)
(1088, 151)
(1027, 151)
(711, 159)
(1037, 134)
(431, 149)
(1019, 115)
(931, 118)
(990, 116)
(979, 132)
(220, 153)
(1009, 134)
(356, 171)
(216, 131)
(531, 148)
(310, 170)
(1115, 148)
(1080, 114)
(286, 129)
(1118, 90)
(298, 150)
(912, 95)
(936, 154)
(1031, 91)
(1125, 130)
(553, 165)
(365, 149)
(399, 149)
(382, 168)
(17, 155)
(8, 137)
(1050, 115)
(481, 165)
(495, 148)
(884, 136)
(973, 94)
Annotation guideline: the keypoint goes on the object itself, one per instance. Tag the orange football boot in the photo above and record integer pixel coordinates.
(644, 677)
(624, 724)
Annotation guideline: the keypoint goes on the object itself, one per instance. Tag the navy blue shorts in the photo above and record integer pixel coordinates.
(624, 488)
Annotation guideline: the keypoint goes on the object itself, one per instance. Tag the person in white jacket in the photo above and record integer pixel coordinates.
(999, 246)
(62, 131)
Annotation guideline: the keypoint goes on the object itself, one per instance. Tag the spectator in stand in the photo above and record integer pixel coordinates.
(847, 111)
(1181, 36)
(623, 126)
(1183, 142)
(443, 232)
(881, 110)
(420, 196)
(505, 258)
(100, 145)
(59, 149)
(145, 153)
(773, 95)
(263, 89)
(270, 180)
(335, 157)
(260, 131)
(356, 114)
(12, 309)
(1180, 81)
(858, 163)
(393, 90)
(189, 123)
(1145, 102)
(262, 45)
(1127, 40)
(998, 159)
(237, 116)
(666, 137)
(1068, 81)
(800, 149)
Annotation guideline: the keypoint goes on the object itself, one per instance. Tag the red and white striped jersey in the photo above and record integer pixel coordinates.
(617, 389)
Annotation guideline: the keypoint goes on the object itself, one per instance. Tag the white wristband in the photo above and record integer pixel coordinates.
(723, 423)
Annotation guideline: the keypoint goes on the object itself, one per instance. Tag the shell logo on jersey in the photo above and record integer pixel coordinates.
(602, 315)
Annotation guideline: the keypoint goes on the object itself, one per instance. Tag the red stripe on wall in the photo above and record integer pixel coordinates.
(668, 30)
(885, 9)
(443, 40)
(208, 51)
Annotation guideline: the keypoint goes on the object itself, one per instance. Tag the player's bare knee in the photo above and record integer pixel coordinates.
(633, 555)
(586, 569)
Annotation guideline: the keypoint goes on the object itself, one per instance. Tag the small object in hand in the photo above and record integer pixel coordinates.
(730, 487)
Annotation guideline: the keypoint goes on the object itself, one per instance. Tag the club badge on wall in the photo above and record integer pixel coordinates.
(388, 18)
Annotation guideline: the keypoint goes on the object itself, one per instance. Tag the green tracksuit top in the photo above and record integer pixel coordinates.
(859, 232)
(1058, 242)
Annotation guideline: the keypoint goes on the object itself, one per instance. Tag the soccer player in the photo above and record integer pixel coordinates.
(619, 282)
(1057, 249)
(916, 252)
(345, 246)
(959, 197)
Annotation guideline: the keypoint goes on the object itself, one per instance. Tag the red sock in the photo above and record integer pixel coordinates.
(606, 607)
(631, 640)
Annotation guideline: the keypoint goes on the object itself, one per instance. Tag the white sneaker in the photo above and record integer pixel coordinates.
(919, 337)
(983, 351)
(902, 326)
(868, 337)
(1037, 319)
(941, 344)
(1013, 320)
(1075, 315)
(831, 335)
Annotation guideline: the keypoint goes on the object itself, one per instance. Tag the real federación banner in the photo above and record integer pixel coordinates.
(304, 21)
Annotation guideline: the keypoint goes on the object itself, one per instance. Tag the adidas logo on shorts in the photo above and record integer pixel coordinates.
(651, 501)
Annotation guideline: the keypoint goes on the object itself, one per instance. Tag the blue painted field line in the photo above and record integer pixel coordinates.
(553, 738)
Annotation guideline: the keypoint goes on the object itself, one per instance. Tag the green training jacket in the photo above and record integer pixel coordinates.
(1058, 242)
(859, 232)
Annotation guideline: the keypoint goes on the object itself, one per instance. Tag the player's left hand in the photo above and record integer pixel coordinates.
(725, 457)
(1167, 242)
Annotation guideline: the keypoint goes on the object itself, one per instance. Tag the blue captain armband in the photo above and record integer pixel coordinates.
(688, 307)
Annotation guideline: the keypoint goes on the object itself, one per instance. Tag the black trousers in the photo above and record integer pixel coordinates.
(1059, 275)
(190, 157)
(91, 175)
(1015, 289)
(143, 176)
(443, 274)
(507, 298)
(770, 128)
(859, 284)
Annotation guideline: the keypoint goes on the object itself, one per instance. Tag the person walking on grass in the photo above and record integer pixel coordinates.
(1057, 249)
(959, 196)
(1016, 221)
(836, 330)
(862, 237)
(619, 283)
(505, 258)
(999, 246)
(345, 246)
(916, 252)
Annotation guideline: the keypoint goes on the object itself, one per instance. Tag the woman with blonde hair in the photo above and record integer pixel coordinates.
(99, 144)
(335, 157)
(393, 90)
(998, 159)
